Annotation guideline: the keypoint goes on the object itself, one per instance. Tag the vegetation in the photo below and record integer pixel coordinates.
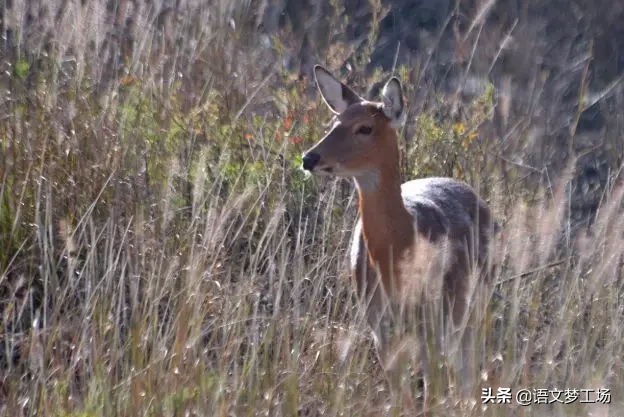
(162, 252)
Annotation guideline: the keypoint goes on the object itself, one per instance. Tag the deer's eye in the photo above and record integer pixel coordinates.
(364, 130)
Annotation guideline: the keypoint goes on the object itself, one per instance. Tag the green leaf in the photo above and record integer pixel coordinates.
(21, 68)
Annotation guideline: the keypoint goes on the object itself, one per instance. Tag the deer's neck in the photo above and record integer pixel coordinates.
(387, 226)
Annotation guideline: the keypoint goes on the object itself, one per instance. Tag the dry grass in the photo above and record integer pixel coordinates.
(161, 253)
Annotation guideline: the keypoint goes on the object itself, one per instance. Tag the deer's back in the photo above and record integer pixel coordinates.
(446, 206)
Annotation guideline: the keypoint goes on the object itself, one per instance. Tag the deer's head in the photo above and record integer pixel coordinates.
(362, 141)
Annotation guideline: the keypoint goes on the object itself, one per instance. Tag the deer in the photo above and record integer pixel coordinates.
(413, 243)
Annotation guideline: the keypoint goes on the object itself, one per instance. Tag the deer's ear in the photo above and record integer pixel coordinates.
(336, 95)
(392, 99)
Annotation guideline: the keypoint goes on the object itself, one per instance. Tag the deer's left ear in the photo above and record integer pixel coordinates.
(392, 99)
(335, 94)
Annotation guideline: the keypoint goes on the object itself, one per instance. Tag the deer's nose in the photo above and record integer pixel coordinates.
(310, 160)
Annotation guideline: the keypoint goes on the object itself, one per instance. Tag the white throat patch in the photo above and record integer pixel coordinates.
(367, 181)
